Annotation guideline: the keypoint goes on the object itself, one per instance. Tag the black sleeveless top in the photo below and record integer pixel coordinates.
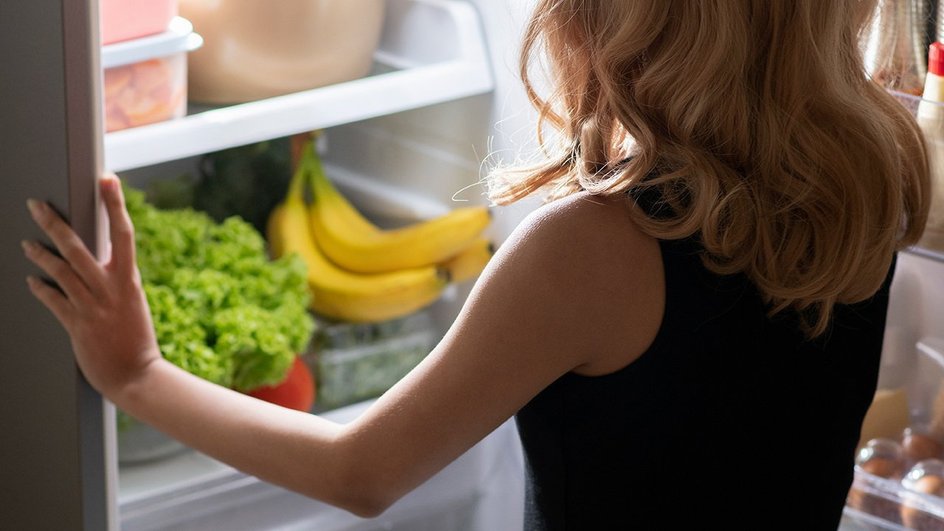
(730, 419)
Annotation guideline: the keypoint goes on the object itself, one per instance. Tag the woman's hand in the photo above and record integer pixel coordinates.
(101, 305)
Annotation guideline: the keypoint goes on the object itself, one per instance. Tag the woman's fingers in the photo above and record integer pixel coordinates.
(69, 244)
(60, 271)
(79, 275)
(52, 299)
(119, 223)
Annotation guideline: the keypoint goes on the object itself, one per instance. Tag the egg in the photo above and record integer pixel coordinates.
(933, 485)
(915, 518)
(868, 502)
(883, 467)
(918, 447)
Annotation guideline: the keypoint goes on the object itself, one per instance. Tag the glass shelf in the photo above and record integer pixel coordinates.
(192, 491)
(174, 477)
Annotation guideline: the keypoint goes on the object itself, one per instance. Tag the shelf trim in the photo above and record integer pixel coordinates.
(936, 256)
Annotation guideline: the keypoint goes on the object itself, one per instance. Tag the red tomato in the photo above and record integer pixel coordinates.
(296, 392)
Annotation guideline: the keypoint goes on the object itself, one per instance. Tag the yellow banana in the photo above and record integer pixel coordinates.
(470, 262)
(354, 243)
(340, 294)
(336, 206)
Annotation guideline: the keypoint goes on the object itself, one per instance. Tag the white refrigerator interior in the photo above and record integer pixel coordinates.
(409, 142)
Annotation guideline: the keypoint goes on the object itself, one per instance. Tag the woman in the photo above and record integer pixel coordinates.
(688, 332)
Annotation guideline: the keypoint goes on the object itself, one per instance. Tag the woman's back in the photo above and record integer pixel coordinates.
(730, 417)
(784, 182)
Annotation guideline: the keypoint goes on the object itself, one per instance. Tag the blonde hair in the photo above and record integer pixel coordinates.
(754, 121)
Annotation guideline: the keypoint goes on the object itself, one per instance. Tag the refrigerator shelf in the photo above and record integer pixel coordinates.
(192, 491)
(417, 68)
(930, 254)
(170, 478)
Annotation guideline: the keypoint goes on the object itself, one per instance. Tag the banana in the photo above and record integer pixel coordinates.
(354, 243)
(470, 262)
(344, 215)
(340, 294)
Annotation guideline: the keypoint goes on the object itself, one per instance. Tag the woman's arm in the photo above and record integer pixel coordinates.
(534, 315)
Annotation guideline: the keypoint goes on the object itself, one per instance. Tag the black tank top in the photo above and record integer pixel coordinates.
(730, 419)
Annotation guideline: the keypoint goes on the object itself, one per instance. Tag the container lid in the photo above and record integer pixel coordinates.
(936, 58)
(179, 37)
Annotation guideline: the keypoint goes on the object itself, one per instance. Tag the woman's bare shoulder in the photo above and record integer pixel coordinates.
(602, 266)
(587, 233)
(586, 215)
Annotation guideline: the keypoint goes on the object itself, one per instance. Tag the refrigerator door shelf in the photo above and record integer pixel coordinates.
(892, 502)
(432, 51)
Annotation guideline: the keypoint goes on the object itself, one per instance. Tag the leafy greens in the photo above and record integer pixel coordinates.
(221, 309)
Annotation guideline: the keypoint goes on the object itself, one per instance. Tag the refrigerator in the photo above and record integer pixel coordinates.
(411, 140)
(408, 140)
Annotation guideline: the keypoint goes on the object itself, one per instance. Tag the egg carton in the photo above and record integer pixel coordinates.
(890, 496)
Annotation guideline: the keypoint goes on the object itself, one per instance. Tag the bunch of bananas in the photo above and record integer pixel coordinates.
(358, 272)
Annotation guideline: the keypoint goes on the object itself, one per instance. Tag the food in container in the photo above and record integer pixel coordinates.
(358, 361)
(222, 310)
(882, 458)
(878, 489)
(918, 444)
(895, 45)
(122, 20)
(922, 505)
(139, 442)
(257, 49)
(145, 80)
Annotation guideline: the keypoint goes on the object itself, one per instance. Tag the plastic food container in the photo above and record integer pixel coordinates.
(881, 459)
(356, 362)
(890, 493)
(145, 80)
(140, 443)
(256, 49)
(123, 20)
(923, 505)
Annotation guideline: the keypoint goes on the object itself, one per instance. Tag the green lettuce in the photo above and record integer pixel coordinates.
(221, 309)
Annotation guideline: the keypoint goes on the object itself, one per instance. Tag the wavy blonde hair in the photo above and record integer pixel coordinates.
(755, 122)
